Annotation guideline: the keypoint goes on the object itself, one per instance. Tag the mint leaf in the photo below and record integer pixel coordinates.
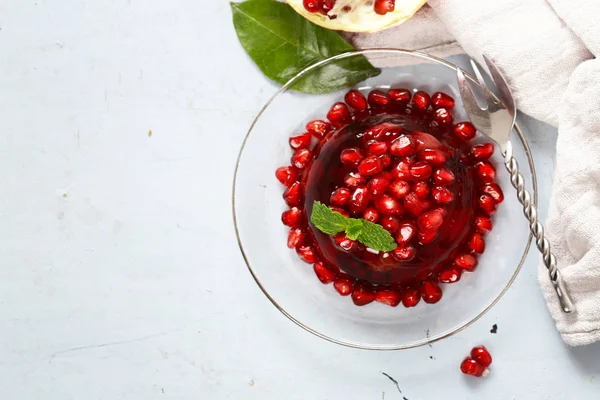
(354, 228)
(282, 43)
(326, 220)
(375, 237)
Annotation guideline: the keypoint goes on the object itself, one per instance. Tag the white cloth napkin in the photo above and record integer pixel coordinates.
(547, 50)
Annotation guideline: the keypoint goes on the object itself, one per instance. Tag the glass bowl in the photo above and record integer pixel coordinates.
(291, 285)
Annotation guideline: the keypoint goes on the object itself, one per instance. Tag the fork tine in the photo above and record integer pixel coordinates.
(478, 116)
(489, 98)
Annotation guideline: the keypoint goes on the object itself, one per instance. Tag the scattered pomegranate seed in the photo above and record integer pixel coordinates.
(344, 284)
(468, 262)
(399, 96)
(431, 292)
(377, 98)
(286, 175)
(351, 156)
(413, 204)
(485, 171)
(363, 294)
(410, 297)
(402, 169)
(421, 189)
(443, 117)
(339, 115)
(425, 141)
(450, 275)
(443, 177)
(301, 158)
(386, 160)
(487, 204)
(442, 100)
(340, 196)
(493, 189)
(371, 214)
(307, 254)
(476, 243)
(378, 186)
(387, 205)
(420, 170)
(318, 128)
(464, 130)
(483, 224)
(426, 237)
(324, 273)
(406, 232)
(388, 296)
(370, 166)
(420, 101)
(482, 152)
(482, 356)
(293, 194)
(354, 180)
(296, 238)
(327, 5)
(430, 220)
(376, 148)
(292, 217)
(383, 131)
(403, 146)
(311, 6)
(434, 157)
(300, 141)
(356, 100)
(390, 223)
(472, 367)
(398, 189)
(383, 7)
(344, 243)
(407, 253)
(340, 210)
(442, 195)
(359, 200)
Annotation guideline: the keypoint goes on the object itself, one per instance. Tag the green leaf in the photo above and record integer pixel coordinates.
(326, 220)
(354, 228)
(375, 237)
(282, 43)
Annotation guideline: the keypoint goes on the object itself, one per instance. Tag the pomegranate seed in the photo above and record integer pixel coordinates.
(476, 243)
(376, 148)
(386, 160)
(434, 157)
(485, 171)
(431, 292)
(301, 158)
(413, 204)
(354, 180)
(468, 262)
(324, 273)
(442, 195)
(340, 210)
(293, 194)
(464, 130)
(450, 275)
(430, 220)
(385, 131)
(420, 101)
(493, 189)
(383, 7)
(406, 232)
(398, 189)
(385, 175)
(483, 224)
(344, 284)
(340, 197)
(425, 141)
(404, 253)
(292, 217)
(473, 368)
(441, 100)
(427, 237)
(318, 128)
(410, 297)
(482, 356)
(339, 115)
(370, 166)
(300, 141)
(363, 294)
(378, 186)
(388, 296)
(482, 152)
(327, 5)
(344, 243)
(359, 200)
(390, 223)
(403, 146)
(356, 100)
(443, 177)
(420, 170)
(286, 175)
(421, 189)
(377, 98)
(371, 214)
(399, 96)
(307, 254)
(351, 156)
(487, 204)
(387, 205)
(443, 117)
(311, 6)
(402, 169)
(296, 238)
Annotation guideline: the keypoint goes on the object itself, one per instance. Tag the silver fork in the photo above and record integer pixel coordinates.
(496, 121)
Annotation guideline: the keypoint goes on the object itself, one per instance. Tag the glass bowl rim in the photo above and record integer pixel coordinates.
(346, 343)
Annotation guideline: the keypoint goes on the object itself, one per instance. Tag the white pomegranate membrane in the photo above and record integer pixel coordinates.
(398, 160)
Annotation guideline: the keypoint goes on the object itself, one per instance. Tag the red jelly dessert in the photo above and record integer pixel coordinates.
(398, 161)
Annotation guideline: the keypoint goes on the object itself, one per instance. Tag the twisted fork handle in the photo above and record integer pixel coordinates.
(537, 229)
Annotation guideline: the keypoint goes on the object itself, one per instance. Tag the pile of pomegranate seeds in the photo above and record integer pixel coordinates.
(477, 363)
(396, 159)
(381, 7)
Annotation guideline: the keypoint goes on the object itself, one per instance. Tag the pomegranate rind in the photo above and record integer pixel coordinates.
(362, 17)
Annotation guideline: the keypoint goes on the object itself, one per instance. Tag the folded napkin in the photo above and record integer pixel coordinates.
(547, 50)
